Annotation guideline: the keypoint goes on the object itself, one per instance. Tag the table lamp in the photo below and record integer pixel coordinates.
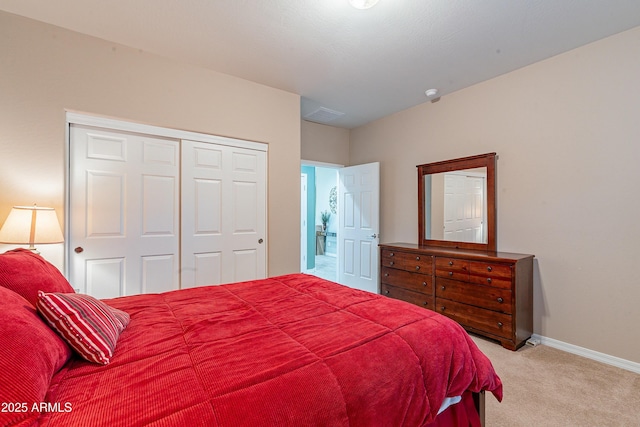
(31, 225)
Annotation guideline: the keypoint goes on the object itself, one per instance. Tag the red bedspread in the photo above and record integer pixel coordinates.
(290, 350)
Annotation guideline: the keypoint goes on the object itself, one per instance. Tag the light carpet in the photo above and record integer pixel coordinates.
(544, 386)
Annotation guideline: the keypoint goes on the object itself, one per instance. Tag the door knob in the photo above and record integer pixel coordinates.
(260, 241)
(78, 250)
(373, 236)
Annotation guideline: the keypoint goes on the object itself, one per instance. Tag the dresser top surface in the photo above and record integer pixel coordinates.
(453, 252)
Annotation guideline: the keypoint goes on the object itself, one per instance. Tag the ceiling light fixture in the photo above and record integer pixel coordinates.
(363, 4)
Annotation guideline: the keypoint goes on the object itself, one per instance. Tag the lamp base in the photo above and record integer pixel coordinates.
(34, 250)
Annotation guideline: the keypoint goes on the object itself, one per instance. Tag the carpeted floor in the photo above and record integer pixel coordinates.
(544, 386)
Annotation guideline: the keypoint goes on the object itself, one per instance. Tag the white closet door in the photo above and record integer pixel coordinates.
(223, 214)
(124, 223)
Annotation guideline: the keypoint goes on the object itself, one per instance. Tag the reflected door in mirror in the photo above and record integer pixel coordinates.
(456, 206)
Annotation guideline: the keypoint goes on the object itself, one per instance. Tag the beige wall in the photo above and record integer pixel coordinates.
(322, 143)
(45, 70)
(567, 134)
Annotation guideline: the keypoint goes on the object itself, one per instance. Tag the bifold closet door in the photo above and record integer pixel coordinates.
(223, 214)
(124, 212)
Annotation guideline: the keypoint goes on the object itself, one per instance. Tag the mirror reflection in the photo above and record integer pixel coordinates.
(456, 206)
(457, 203)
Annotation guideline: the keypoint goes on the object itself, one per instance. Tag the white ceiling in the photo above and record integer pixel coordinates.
(363, 63)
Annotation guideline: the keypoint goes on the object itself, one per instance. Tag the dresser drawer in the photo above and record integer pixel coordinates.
(416, 298)
(497, 275)
(480, 296)
(452, 268)
(491, 322)
(414, 262)
(407, 280)
(392, 259)
(418, 263)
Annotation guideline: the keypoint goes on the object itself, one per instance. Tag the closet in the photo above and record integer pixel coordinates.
(153, 209)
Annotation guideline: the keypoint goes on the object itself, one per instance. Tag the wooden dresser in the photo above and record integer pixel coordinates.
(488, 293)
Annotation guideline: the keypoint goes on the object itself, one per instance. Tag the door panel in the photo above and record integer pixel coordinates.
(366, 267)
(245, 265)
(123, 192)
(105, 277)
(207, 206)
(358, 195)
(104, 213)
(245, 197)
(158, 212)
(223, 214)
(347, 257)
(106, 147)
(157, 273)
(207, 268)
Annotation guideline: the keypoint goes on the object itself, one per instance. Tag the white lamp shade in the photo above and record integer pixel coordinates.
(29, 225)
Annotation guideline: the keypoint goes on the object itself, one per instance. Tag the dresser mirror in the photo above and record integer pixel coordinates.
(457, 203)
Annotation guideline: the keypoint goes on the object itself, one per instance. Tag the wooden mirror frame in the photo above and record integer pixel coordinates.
(483, 160)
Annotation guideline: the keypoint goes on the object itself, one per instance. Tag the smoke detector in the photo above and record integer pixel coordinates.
(431, 93)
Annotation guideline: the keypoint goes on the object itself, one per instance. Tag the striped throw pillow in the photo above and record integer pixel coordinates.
(89, 326)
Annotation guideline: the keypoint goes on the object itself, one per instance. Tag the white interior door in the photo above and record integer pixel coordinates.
(464, 207)
(124, 223)
(359, 224)
(223, 214)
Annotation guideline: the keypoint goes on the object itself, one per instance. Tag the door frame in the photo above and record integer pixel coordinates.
(317, 164)
(79, 118)
(304, 224)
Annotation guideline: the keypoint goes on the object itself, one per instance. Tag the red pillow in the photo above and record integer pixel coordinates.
(26, 273)
(88, 325)
(30, 353)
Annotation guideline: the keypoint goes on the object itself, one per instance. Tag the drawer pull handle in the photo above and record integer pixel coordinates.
(450, 262)
(499, 324)
(417, 258)
(424, 283)
(442, 308)
(386, 274)
(425, 303)
(386, 292)
(391, 254)
(489, 268)
(443, 288)
(391, 263)
(417, 267)
(500, 300)
(451, 273)
(489, 280)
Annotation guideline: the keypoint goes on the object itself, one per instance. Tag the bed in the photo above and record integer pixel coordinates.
(293, 350)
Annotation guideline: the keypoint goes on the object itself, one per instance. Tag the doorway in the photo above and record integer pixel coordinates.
(322, 222)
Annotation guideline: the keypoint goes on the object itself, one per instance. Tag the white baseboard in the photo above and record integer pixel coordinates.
(589, 354)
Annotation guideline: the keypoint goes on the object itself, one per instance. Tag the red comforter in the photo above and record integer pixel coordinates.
(290, 350)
